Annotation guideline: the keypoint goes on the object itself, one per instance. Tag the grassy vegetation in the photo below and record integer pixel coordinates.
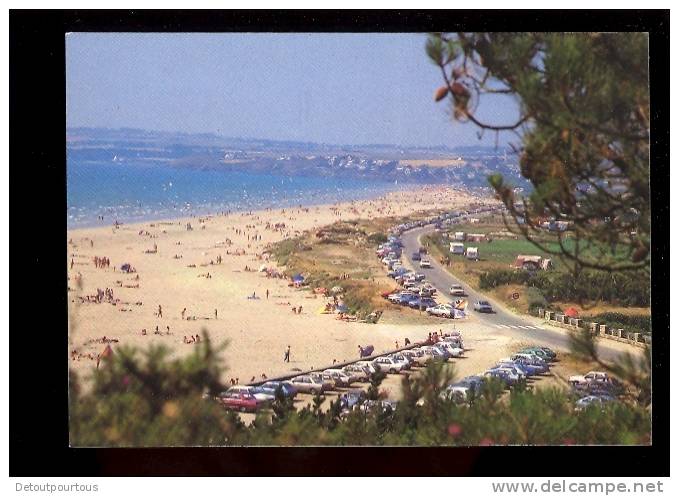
(343, 254)
(493, 273)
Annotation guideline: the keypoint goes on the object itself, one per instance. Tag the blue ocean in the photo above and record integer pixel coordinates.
(139, 192)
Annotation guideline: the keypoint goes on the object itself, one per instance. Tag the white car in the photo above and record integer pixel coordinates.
(433, 353)
(442, 310)
(395, 297)
(339, 377)
(457, 290)
(454, 340)
(401, 358)
(416, 356)
(388, 364)
(589, 377)
(453, 351)
(425, 264)
(357, 372)
(368, 364)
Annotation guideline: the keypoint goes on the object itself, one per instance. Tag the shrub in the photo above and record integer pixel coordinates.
(499, 277)
(377, 238)
(633, 323)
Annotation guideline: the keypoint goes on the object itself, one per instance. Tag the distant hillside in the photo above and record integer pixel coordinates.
(463, 166)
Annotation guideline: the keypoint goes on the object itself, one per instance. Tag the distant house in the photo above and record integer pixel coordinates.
(532, 262)
(457, 248)
(459, 236)
(472, 253)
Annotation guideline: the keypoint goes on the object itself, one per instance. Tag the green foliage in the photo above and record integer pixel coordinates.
(495, 278)
(377, 238)
(621, 288)
(583, 130)
(284, 250)
(632, 323)
(535, 299)
(147, 399)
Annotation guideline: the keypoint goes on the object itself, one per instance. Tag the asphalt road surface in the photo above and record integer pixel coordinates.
(504, 321)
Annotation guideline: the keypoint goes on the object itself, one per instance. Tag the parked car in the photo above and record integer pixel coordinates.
(432, 353)
(416, 257)
(528, 368)
(507, 377)
(547, 355)
(287, 390)
(463, 390)
(593, 400)
(389, 364)
(415, 355)
(427, 291)
(241, 401)
(425, 264)
(442, 310)
(338, 377)
(401, 358)
(483, 307)
(422, 250)
(309, 384)
(369, 365)
(385, 406)
(452, 350)
(512, 367)
(454, 340)
(592, 376)
(422, 302)
(401, 296)
(358, 372)
(457, 290)
(531, 359)
(352, 399)
(419, 276)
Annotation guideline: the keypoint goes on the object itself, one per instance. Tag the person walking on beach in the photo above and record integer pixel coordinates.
(160, 311)
(286, 357)
(183, 313)
(215, 314)
(267, 291)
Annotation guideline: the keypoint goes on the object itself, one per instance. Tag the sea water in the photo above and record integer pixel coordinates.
(139, 192)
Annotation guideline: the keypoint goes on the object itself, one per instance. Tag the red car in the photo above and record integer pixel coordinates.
(239, 400)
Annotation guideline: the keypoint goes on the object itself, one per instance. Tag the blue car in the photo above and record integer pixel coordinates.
(287, 390)
(507, 377)
(416, 257)
(422, 302)
(397, 272)
(404, 299)
(535, 367)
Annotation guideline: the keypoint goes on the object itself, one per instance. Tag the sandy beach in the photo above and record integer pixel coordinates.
(177, 268)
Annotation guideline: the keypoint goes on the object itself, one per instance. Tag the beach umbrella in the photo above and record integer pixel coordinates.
(571, 312)
(342, 308)
(297, 278)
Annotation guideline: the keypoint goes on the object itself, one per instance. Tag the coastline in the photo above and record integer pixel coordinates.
(175, 276)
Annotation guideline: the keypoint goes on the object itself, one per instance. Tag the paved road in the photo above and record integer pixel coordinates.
(525, 328)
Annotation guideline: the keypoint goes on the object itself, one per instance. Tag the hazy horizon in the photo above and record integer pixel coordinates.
(338, 89)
